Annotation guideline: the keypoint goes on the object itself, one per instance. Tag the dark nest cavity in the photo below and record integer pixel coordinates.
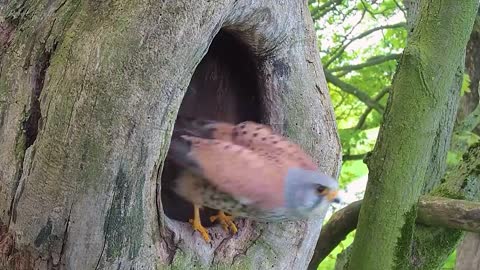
(224, 87)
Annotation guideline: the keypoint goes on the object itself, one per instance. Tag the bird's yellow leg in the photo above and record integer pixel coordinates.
(197, 224)
(225, 221)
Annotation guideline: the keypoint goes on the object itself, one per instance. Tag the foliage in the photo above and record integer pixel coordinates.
(345, 40)
(344, 47)
(329, 262)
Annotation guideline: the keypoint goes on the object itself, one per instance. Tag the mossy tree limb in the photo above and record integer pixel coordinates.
(462, 183)
(403, 153)
(449, 213)
(434, 212)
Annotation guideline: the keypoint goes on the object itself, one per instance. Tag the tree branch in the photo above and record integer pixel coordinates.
(340, 51)
(432, 211)
(363, 117)
(353, 157)
(449, 213)
(362, 96)
(340, 224)
(370, 62)
(402, 8)
(319, 11)
(365, 7)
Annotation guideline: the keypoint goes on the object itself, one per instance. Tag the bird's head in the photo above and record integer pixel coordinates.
(306, 191)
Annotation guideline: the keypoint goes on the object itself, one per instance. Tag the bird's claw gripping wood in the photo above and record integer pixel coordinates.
(225, 221)
(197, 224)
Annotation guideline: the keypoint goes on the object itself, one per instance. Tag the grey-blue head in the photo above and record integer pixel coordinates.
(307, 190)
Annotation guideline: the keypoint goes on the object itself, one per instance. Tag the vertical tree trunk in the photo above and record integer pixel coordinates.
(468, 253)
(89, 91)
(406, 146)
(471, 99)
(439, 243)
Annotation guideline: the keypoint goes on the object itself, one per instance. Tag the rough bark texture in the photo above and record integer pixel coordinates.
(468, 253)
(449, 213)
(412, 8)
(439, 242)
(406, 147)
(89, 91)
(468, 116)
(462, 183)
(470, 101)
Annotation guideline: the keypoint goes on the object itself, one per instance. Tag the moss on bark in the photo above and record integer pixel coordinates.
(431, 246)
(403, 153)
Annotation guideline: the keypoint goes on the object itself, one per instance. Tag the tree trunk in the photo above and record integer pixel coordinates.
(468, 253)
(471, 99)
(407, 150)
(89, 92)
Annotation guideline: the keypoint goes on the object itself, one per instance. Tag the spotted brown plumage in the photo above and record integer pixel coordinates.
(246, 170)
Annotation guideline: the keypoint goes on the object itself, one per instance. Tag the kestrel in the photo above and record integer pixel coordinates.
(246, 170)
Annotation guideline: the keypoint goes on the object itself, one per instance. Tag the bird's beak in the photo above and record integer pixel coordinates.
(332, 194)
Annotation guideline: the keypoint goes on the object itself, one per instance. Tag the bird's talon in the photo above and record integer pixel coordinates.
(197, 224)
(225, 221)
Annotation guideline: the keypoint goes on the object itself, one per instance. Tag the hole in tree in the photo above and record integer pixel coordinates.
(223, 87)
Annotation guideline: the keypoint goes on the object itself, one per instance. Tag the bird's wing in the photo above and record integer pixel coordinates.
(256, 137)
(236, 170)
(262, 139)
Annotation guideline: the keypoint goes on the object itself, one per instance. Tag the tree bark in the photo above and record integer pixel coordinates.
(406, 147)
(468, 253)
(89, 92)
(432, 211)
(470, 100)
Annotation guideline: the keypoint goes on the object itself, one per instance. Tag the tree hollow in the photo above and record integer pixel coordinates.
(223, 87)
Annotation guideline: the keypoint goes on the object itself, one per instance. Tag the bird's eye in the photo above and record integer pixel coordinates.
(321, 190)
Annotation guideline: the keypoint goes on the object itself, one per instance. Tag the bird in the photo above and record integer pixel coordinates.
(245, 170)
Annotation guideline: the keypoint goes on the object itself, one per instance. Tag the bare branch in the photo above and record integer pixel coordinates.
(362, 96)
(362, 35)
(353, 157)
(363, 117)
(370, 62)
(353, 27)
(347, 35)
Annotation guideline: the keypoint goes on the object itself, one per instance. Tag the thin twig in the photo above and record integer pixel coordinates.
(340, 51)
(362, 96)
